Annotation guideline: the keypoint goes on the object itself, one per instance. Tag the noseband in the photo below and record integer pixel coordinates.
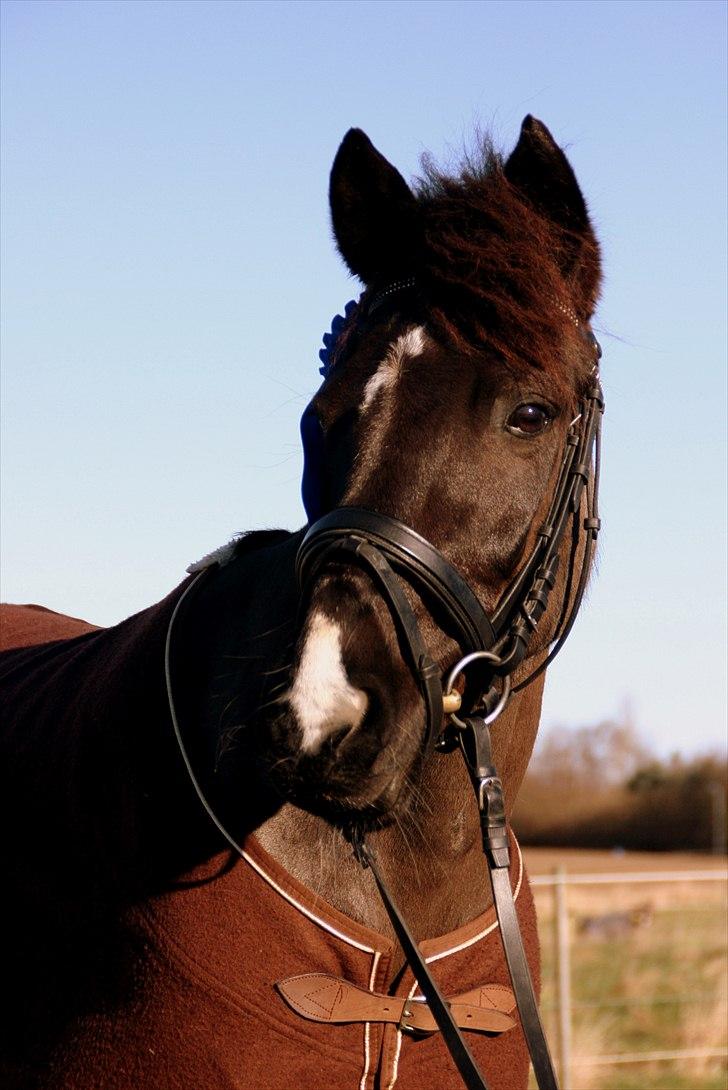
(389, 551)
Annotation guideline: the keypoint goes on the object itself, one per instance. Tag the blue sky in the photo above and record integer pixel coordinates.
(168, 272)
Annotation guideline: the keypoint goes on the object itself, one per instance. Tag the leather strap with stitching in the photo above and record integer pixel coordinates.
(320, 997)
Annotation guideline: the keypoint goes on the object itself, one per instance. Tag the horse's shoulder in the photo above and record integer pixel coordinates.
(28, 625)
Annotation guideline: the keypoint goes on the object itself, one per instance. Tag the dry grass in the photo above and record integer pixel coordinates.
(588, 861)
(657, 984)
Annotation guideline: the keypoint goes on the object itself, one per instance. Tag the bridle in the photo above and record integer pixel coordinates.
(390, 551)
(387, 549)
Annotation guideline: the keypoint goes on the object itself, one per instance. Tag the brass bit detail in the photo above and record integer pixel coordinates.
(451, 702)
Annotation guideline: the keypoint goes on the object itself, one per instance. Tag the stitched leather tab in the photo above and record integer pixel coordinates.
(323, 998)
(494, 996)
(320, 997)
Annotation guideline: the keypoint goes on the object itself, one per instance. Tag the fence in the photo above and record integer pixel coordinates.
(614, 963)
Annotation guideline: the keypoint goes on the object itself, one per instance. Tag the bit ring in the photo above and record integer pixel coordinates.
(458, 668)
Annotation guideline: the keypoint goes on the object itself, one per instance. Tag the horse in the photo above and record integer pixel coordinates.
(187, 794)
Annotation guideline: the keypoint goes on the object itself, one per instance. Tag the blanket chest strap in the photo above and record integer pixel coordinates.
(320, 997)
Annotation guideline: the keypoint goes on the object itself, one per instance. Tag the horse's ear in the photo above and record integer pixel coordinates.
(539, 170)
(373, 212)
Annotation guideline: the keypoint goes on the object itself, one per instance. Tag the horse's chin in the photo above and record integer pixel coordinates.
(365, 812)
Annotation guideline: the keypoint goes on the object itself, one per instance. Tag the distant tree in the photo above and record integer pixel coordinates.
(590, 758)
(600, 786)
(648, 778)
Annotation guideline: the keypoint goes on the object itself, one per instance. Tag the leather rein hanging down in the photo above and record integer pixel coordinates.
(388, 549)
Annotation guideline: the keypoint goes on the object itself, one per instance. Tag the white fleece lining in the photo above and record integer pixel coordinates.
(221, 556)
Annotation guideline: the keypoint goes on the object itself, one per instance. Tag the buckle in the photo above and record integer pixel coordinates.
(406, 1026)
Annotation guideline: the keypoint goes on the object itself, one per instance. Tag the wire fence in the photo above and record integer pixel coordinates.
(635, 978)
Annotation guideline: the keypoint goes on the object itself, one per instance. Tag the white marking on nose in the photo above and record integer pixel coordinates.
(409, 344)
(322, 696)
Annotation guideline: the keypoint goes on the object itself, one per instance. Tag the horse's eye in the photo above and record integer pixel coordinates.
(529, 419)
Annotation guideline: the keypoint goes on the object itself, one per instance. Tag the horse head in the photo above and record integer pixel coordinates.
(447, 406)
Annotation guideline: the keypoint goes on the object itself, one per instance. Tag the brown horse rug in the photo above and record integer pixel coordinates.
(234, 976)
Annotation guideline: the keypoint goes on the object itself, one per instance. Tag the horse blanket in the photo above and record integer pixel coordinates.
(194, 1005)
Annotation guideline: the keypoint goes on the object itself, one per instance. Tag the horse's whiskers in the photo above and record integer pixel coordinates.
(276, 670)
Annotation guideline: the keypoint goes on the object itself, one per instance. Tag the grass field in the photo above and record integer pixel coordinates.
(648, 969)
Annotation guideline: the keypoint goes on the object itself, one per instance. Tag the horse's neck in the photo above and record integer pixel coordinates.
(432, 856)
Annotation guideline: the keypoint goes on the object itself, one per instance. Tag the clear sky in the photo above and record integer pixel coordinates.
(168, 272)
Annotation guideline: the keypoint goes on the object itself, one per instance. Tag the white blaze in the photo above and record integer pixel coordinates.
(322, 696)
(411, 343)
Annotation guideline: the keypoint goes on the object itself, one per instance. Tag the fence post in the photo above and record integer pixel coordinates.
(718, 817)
(563, 976)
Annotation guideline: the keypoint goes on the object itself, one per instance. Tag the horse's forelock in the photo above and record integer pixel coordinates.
(493, 268)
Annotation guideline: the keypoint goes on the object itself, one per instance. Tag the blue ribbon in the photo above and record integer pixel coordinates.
(312, 436)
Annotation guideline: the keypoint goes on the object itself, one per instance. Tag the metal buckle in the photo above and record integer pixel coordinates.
(404, 1026)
